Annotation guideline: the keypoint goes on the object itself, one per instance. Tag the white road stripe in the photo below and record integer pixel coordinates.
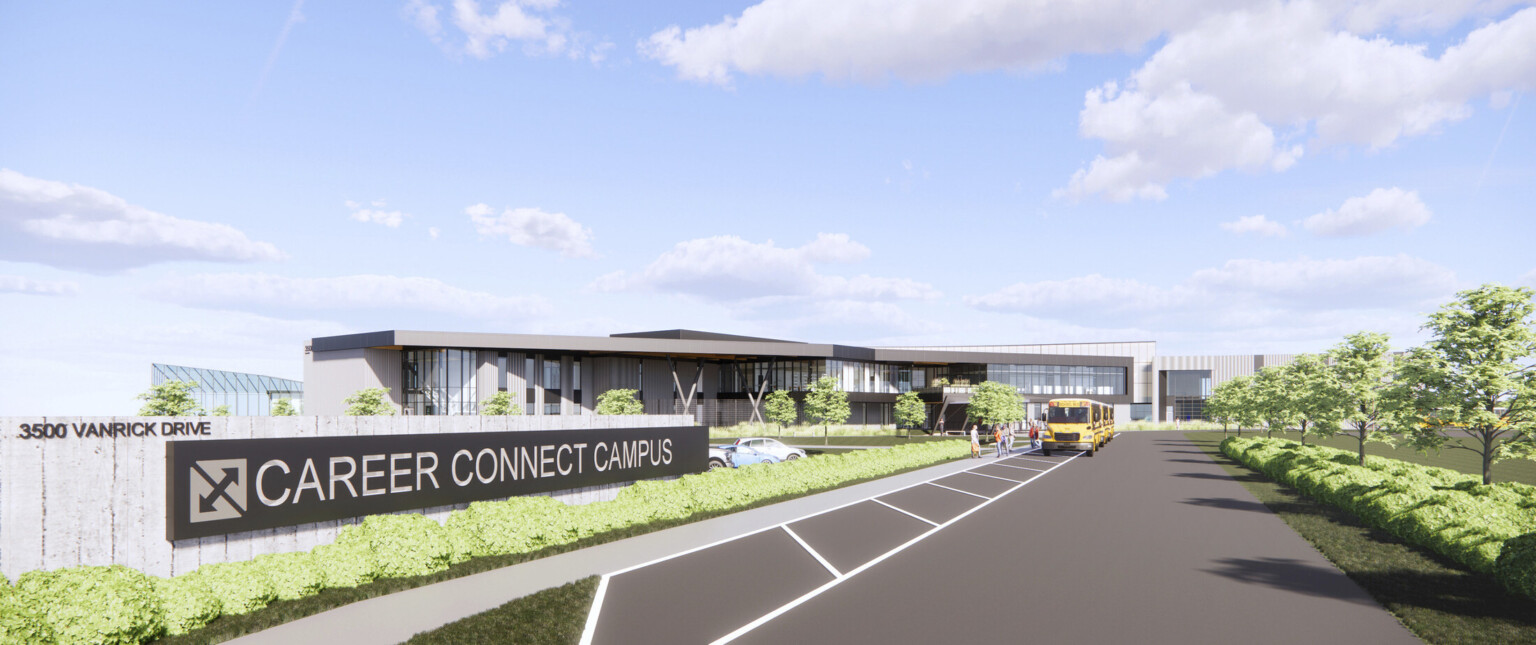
(592, 616)
(1043, 461)
(902, 510)
(958, 490)
(996, 477)
(814, 554)
(597, 607)
(1020, 467)
(864, 567)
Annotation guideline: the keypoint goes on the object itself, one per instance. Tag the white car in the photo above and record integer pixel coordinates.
(772, 447)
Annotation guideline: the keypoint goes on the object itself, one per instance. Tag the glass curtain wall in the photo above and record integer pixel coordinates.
(852, 376)
(246, 395)
(439, 381)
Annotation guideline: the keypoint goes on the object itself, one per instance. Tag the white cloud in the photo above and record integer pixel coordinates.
(1529, 279)
(1239, 294)
(261, 292)
(1382, 209)
(77, 227)
(872, 40)
(534, 227)
(433, 231)
(1255, 224)
(488, 32)
(727, 268)
(1213, 97)
(19, 284)
(1353, 283)
(391, 219)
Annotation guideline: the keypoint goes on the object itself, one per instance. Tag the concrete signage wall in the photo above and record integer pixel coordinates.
(92, 490)
(238, 485)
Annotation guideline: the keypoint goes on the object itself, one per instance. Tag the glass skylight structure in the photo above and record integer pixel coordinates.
(247, 395)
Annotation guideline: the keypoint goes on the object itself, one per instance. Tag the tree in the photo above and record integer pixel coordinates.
(1221, 406)
(1317, 395)
(170, 399)
(1475, 378)
(939, 382)
(620, 401)
(369, 402)
(993, 403)
(1244, 409)
(1274, 398)
(826, 404)
(500, 404)
(779, 408)
(910, 410)
(1361, 365)
(283, 408)
(220, 411)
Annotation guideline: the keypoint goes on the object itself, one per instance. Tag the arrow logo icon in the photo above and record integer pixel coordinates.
(218, 497)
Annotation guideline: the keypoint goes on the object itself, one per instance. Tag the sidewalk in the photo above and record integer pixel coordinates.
(396, 617)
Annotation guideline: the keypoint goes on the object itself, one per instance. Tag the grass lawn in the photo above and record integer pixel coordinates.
(225, 628)
(1513, 470)
(1437, 599)
(555, 615)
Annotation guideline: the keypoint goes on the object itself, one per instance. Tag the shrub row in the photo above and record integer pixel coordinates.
(117, 605)
(1488, 529)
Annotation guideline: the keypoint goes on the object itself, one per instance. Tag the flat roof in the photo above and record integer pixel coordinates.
(691, 344)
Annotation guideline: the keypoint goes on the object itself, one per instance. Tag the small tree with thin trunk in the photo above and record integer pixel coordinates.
(1475, 381)
(283, 408)
(1361, 365)
(619, 401)
(993, 403)
(826, 404)
(1244, 404)
(910, 411)
(500, 404)
(779, 408)
(370, 402)
(170, 399)
(1221, 406)
(220, 411)
(1272, 396)
(1317, 395)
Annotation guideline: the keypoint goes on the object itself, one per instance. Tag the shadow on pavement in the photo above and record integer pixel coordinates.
(1228, 503)
(1215, 476)
(1291, 575)
(1205, 462)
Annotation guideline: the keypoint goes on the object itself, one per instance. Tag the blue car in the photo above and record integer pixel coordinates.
(742, 455)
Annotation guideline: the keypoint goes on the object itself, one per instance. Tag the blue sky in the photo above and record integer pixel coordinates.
(212, 184)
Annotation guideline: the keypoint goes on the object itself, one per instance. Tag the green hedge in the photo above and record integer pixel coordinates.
(111, 605)
(119, 605)
(1516, 566)
(1445, 511)
(22, 621)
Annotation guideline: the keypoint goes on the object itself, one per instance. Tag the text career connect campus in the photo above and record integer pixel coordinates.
(229, 485)
(485, 466)
(115, 429)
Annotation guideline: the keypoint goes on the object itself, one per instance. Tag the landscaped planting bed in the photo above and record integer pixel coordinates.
(117, 605)
(1489, 529)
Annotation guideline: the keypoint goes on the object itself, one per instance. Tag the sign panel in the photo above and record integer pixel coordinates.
(226, 486)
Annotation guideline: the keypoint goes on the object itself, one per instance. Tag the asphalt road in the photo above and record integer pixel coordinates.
(1147, 542)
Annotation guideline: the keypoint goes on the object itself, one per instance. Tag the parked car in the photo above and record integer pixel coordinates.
(720, 458)
(773, 447)
(741, 455)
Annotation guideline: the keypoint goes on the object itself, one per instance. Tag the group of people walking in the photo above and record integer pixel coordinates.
(1002, 434)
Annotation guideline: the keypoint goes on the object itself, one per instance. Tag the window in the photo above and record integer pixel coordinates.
(439, 381)
(501, 372)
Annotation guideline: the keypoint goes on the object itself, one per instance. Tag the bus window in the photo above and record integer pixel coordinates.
(1066, 415)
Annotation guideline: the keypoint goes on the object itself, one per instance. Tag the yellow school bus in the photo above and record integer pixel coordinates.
(1077, 424)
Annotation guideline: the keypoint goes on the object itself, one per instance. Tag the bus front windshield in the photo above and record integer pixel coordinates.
(1067, 415)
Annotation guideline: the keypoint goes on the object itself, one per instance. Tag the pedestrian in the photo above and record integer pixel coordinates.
(997, 437)
(975, 443)
(1034, 437)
